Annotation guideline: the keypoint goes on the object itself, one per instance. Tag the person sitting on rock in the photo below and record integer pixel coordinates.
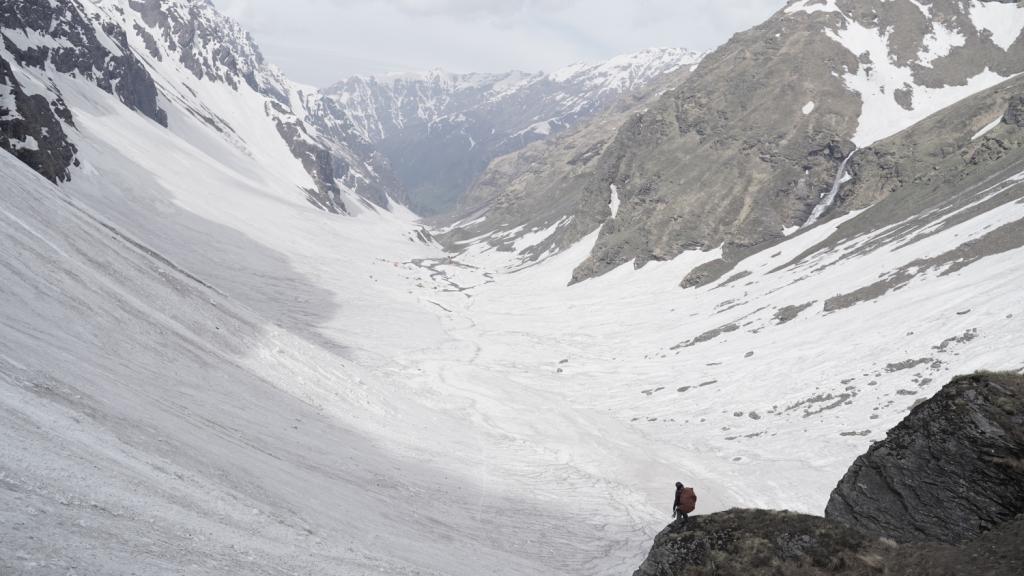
(684, 503)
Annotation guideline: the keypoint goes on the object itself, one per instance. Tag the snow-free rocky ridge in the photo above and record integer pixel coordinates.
(206, 368)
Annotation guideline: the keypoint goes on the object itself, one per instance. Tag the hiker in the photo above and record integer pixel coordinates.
(685, 502)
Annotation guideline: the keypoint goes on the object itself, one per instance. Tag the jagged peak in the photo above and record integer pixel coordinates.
(454, 81)
(619, 70)
(622, 72)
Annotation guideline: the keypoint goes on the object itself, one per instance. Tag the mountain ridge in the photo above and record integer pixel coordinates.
(751, 145)
(442, 130)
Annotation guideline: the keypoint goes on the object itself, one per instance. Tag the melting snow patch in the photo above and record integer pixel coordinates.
(536, 236)
(939, 44)
(809, 8)
(926, 10)
(29, 143)
(1003, 20)
(540, 128)
(27, 39)
(628, 71)
(987, 128)
(8, 102)
(808, 108)
(880, 81)
(614, 202)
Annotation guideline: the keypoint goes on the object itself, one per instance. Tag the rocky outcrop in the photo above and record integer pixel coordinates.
(1015, 112)
(315, 159)
(31, 128)
(769, 543)
(208, 44)
(943, 495)
(36, 34)
(953, 469)
(755, 542)
(211, 46)
(357, 164)
(920, 167)
(76, 44)
(995, 553)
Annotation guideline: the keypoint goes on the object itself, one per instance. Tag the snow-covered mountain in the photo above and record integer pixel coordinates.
(758, 141)
(177, 57)
(204, 370)
(441, 130)
(380, 107)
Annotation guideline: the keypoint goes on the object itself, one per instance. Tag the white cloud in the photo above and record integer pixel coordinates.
(472, 8)
(321, 41)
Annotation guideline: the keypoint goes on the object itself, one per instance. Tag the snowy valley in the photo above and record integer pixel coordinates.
(228, 345)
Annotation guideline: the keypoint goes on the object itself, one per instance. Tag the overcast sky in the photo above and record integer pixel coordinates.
(322, 41)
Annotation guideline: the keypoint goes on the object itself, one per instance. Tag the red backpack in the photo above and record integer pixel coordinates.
(687, 501)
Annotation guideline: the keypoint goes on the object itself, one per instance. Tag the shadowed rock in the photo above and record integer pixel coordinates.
(751, 542)
(943, 495)
(953, 469)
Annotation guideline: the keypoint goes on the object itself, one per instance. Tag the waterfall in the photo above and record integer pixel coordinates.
(827, 201)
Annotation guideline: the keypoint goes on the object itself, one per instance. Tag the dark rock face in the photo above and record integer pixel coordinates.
(753, 542)
(208, 44)
(318, 162)
(762, 542)
(43, 39)
(85, 54)
(996, 553)
(952, 470)
(943, 495)
(31, 129)
(924, 180)
(349, 149)
(1015, 112)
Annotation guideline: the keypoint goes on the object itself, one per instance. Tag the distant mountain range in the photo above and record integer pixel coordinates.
(440, 131)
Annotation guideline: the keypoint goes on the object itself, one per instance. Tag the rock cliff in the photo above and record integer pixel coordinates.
(943, 494)
(953, 469)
